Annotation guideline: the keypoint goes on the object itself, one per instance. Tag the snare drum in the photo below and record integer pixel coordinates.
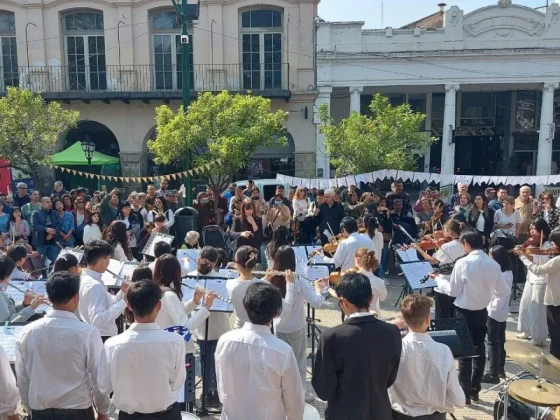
(188, 416)
(518, 410)
(310, 413)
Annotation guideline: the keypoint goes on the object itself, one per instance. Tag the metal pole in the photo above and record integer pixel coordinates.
(27, 50)
(89, 163)
(187, 163)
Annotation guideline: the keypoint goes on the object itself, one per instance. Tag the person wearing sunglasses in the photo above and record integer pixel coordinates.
(548, 210)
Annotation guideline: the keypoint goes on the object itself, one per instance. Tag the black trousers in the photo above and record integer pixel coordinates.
(173, 413)
(444, 306)
(62, 414)
(553, 322)
(433, 416)
(496, 346)
(471, 370)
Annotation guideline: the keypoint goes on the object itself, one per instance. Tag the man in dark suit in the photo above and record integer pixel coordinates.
(357, 361)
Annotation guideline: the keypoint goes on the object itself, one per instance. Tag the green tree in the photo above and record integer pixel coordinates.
(388, 139)
(30, 129)
(223, 127)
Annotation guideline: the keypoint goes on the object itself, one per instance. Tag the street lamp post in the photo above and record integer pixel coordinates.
(89, 148)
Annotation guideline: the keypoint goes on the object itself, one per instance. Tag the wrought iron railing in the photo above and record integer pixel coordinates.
(260, 77)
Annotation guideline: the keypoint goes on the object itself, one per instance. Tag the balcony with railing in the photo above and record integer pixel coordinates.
(148, 82)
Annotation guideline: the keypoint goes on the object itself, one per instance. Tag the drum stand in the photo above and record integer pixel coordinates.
(313, 332)
(506, 385)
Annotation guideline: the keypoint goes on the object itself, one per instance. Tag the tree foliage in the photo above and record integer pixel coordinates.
(30, 128)
(388, 139)
(224, 126)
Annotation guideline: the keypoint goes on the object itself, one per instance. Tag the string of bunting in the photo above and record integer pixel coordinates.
(324, 183)
(137, 179)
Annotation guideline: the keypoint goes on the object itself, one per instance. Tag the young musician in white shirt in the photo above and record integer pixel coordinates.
(423, 359)
(144, 366)
(473, 282)
(57, 359)
(97, 306)
(257, 372)
(366, 264)
(9, 397)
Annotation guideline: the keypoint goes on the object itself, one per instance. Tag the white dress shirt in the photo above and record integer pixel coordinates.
(144, 367)
(258, 377)
(174, 313)
(498, 308)
(552, 269)
(344, 255)
(236, 290)
(293, 314)
(377, 243)
(448, 253)
(378, 289)
(97, 306)
(57, 362)
(427, 380)
(9, 395)
(534, 278)
(474, 280)
(218, 322)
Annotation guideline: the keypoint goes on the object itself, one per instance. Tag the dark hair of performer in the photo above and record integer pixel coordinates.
(17, 253)
(207, 260)
(67, 262)
(246, 258)
(371, 223)
(349, 224)
(471, 239)
(139, 273)
(285, 260)
(500, 254)
(280, 237)
(263, 303)
(223, 258)
(167, 273)
(96, 251)
(354, 293)
(7, 266)
(116, 234)
(62, 290)
(144, 297)
(161, 248)
(542, 227)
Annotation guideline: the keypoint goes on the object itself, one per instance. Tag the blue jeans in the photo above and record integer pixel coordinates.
(49, 251)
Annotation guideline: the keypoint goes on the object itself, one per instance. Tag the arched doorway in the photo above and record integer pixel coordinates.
(269, 161)
(105, 142)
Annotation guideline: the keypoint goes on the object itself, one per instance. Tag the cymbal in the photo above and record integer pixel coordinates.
(528, 391)
(528, 357)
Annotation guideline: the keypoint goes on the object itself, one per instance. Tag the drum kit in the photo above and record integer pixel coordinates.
(533, 393)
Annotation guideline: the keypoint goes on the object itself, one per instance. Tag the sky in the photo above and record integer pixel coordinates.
(398, 13)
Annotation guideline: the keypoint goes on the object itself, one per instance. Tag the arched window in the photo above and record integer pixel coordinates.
(8, 50)
(167, 57)
(261, 35)
(85, 50)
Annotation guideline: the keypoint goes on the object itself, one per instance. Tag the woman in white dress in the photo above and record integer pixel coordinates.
(93, 229)
(532, 310)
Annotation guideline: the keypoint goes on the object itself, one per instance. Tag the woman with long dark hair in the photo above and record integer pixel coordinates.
(142, 272)
(160, 207)
(481, 217)
(247, 227)
(116, 236)
(374, 232)
(18, 225)
(280, 237)
(532, 312)
(291, 326)
(93, 230)
(133, 223)
(67, 262)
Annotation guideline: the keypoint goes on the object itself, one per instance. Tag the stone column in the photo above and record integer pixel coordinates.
(447, 147)
(133, 165)
(323, 161)
(355, 96)
(544, 154)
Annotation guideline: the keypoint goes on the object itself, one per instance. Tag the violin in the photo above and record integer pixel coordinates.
(537, 251)
(335, 276)
(329, 247)
(428, 244)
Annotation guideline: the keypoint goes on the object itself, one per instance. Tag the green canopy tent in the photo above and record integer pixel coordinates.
(75, 156)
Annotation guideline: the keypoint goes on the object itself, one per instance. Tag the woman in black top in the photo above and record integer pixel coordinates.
(247, 228)
(481, 217)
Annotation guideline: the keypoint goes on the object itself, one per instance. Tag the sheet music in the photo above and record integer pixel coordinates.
(188, 258)
(408, 255)
(301, 254)
(40, 288)
(219, 286)
(78, 254)
(228, 272)
(16, 295)
(115, 267)
(316, 259)
(316, 272)
(126, 272)
(156, 237)
(416, 271)
(188, 292)
(8, 337)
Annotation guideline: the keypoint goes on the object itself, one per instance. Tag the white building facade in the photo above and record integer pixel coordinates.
(116, 61)
(487, 82)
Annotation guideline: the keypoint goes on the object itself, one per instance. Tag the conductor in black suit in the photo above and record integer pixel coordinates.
(357, 361)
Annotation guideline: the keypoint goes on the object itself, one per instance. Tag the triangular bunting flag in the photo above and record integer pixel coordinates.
(73, 171)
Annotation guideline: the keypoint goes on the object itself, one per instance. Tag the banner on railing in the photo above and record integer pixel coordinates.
(137, 179)
(324, 183)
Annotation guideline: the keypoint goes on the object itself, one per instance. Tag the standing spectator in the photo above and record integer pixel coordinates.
(58, 189)
(462, 187)
(94, 202)
(21, 198)
(9, 200)
(4, 218)
(93, 229)
(249, 188)
(205, 209)
(260, 204)
(548, 210)
(524, 205)
(33, 205)
(237, 198)
(18, 225)
(66, 220)
(68, 202)
(464, 204)
(312, 196)
(481, 217)
(163, 188)
(81, 217)
(497, 203)
(352, 189)
(222, 203)
(280, 191)
(247, 228)
(140, 206)
(397, 193)
(508, 218)
(160, 207)
(230, 193)
(278, 214)
(490, 194)
(172, 199)
(300, 204)
(133, 225)
(45, 227)
(329, 215)
(352, 207)
(425, 213)
(151, 194)
(109, 207)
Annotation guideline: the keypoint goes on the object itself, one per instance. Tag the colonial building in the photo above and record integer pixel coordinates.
(116, 61)
(487, 81)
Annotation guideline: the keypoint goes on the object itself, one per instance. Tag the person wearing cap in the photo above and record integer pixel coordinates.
(490, 193)
(21, 198)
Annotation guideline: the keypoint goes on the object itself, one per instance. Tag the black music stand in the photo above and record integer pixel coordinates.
(415, 274)
(462, 349)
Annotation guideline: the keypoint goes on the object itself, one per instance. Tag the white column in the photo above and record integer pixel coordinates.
(544, 154)
(448, 148)
(355, 96)
(323, 161)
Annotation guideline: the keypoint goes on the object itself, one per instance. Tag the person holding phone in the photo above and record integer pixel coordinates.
(508, 219)
(247, 228)
(279, 213)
